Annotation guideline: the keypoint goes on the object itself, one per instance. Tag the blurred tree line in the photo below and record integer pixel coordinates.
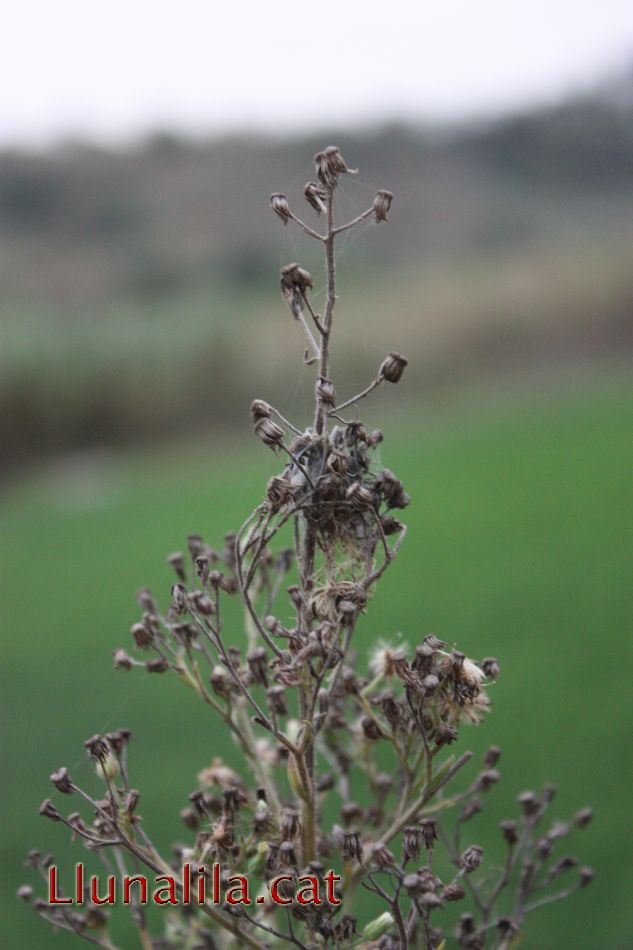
(133, 282)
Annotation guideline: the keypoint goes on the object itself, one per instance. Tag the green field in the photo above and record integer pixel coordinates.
(520, 546)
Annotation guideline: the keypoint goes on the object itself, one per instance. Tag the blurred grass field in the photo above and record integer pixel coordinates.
(519, 547)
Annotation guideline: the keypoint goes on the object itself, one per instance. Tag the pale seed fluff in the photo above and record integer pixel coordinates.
(219, 774)
(107, 768)
(381, 659)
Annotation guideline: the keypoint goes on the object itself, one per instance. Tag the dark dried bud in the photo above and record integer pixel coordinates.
(529, 803)
(560, 829)
(374, 438)
(392, 490)
(371, 729)
(256, 659)
(544, 848)
(381, 205)
(392, 368)
(430, 683)
(471, 858)
(548, 794)
(48, 810)
(488, 778)
(178, 598)
(381, 856)
(159, 665)
(471, 809)
(290, 825)
(430, 881)
(582, 818)
(329, 165)
(325, 391)
(351, 848)
(260, 410)
(202, 603)
(202, 568)
(122, 661)
(295, 277)
(586, 876)
(432, 900)
(146, 601)
(337, 463)
(61, 781)
(445, 734)
(509, 830)
(269, 432)
(428, 827)
(189, 818)
(325, 783)
(25, 893)
(359, 497)
(507, 927)
(97, 748)
(279, 204)
(412, 839)
(287, 855)
(277, 700)
(195, 544)
(131, 800)
(143, 636)
(232, 800)
(412, 884)
(454, 892)
(467, 925)
(492, 756)
(490, 666)
(350, 811)
(565, 864)
(345, 929)
(177, 562)
(316, 197)
(279, 492)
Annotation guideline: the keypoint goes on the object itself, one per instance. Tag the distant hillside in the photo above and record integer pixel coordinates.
(127, 277)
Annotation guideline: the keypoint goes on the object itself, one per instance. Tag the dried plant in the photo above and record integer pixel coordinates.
(341, 770)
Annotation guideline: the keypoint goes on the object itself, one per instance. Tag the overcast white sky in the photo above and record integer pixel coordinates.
(113, 69)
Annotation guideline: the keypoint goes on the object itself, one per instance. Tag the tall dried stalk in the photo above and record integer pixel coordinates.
(314, 732)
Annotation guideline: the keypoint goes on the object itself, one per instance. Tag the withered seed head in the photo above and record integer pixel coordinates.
(315, 196)
(582, 818)
(48, 810)
(509, 830)
(61, 781)
(97, 748)
(279, 204)
(260, 410)
(143, 636)
(370, 728)
(329, 165)
(490, 666)
(177, 562)
(382, 204)
(454, 892)
(392, 367)
(471, 858)
(351, 849)
(122, 661)
(269, 432)
(295, 277)
(325, 391)
(359, 497)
